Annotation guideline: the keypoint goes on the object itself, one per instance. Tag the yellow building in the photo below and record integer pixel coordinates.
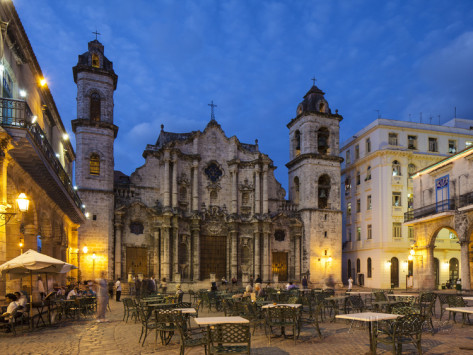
(35, 158)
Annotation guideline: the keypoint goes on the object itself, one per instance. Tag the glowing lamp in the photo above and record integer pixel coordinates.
(21, 245)
(65, 136)
(410, 257)
(34, 119)
(94, 256)
(22, 202)
(42, 82)
(85, 249)
(22, 93)
(329, 259)
(412, 252)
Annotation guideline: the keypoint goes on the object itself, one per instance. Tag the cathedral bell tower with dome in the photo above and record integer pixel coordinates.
(314, 185)
(95, 135)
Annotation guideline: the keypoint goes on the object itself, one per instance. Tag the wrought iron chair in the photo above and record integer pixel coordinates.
(456, 301)
(190, 337)
(166, 324)
(282, 317)
(311, 316)
(355, 303)
(443, 300)
(404, 330)
(230, 338)
(147, 323)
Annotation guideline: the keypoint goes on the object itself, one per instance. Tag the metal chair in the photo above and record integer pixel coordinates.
(190, 337)
(404, 330)
(229, 338)
(147, 323)
(166, 324)
(282, 317)
(311, 317)
(456, 301)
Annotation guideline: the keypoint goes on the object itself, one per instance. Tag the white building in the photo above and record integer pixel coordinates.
(377, 174)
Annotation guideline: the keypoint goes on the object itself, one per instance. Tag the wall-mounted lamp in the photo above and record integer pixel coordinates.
(94, 256)
(22, 203)
(329, 259)
(388, 263)
(85, 249)
(42, 82)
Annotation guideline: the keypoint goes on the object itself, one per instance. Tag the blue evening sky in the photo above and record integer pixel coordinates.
(255, 60)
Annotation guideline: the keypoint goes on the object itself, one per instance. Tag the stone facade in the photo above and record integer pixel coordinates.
(204, 205)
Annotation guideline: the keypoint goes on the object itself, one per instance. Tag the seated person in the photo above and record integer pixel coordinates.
(21, 302)
(248, 291)
(73, 293)
(213, 287)
(290, 286)
(12, 306)
(259, 291)
(89, 292)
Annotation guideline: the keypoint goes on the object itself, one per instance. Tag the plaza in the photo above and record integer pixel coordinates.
(118, 337)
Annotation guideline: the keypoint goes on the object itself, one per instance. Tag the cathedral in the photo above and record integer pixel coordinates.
(206, 206)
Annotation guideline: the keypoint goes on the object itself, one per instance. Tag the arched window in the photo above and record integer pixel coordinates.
(95, 109)
(453, 270)
(95, 61)
(358, 178)
(411, 169)
(213, 197)
(396, 168)
(296, 190)
(324, 191)
(358, 266)
(322, 107)
(349, 268)
(322, 140)
(368, 173)
(368, 268)
(297, 141)
(94, 164)
(394, 272)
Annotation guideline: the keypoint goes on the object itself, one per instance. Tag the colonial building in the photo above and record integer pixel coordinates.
(380, 161)
(35, 158)
(443, 201)
(205, 205)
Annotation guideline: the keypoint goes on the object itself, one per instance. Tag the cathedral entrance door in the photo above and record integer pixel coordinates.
(137, 260)
(279, 265)
(213, 252)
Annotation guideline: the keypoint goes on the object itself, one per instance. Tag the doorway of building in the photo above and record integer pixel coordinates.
(453, 270)
(213, 260)
(279, 265)
(137, 261)
(437, 272)
(394, 272)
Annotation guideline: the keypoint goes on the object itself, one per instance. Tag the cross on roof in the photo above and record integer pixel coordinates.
(96, 34)
(212, 105)
(314, 80)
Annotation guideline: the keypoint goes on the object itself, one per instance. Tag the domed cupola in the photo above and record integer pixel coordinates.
(314, 102)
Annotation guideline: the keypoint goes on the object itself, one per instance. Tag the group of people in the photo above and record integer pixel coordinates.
(16, 302)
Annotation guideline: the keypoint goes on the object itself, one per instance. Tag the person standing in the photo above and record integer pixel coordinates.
(118, 288)
(41, 291)
(350, 283)
(102, 297)
(305, 284)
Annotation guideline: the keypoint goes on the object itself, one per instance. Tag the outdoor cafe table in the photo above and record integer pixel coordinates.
(369, 317)
(464, 310)
(220, 320)
(186, 310)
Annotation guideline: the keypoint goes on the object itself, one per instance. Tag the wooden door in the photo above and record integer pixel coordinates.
(394, 272)
(137, 260)
(213, 252)
(279, 265)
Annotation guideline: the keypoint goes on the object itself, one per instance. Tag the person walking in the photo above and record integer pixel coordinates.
(118, 289)
(102, 297)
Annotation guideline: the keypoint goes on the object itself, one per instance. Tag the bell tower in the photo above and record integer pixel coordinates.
(314, 185)
(95, 135)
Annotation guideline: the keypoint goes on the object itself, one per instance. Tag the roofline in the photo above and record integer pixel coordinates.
(463, 153)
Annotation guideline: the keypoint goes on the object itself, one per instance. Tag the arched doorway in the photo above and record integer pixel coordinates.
(453, 270)
(349, 269)
(394, 272)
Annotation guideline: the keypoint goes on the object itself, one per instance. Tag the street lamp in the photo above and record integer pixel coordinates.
(22, 203)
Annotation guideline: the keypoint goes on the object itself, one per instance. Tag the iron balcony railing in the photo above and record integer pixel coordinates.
(441, 206)
(17, 114)
(465, 199)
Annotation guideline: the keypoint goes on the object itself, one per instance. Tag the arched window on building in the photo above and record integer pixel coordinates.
(349, 269)
(95, 107)
(296, 190)
(368, 173)
(95, 61)
(324, 191)
(411, 169)
(347, 185)
(396, 168)
(323, 141)
(94, 164)
(297, 142)
(322, 107)
(358, 266)
(368, 268)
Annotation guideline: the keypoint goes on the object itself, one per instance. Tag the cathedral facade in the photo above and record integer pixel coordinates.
(204, 205)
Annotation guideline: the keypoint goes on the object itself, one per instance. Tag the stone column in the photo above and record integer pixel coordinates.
(156, 254)
(257, 253)
(465, 265)
(229, 258)
(174, 183)
(266, 270)
(424, 262)
(175, 246)
(118, 246)
(3, 200)
(166, 180)
(234, 236)
(195, 230)
(265, 189)
(297, 253)
(234, 191)
(165, 262)
(257, 190)
(195, 186)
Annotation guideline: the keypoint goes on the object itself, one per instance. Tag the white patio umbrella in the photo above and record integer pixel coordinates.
(32, 262)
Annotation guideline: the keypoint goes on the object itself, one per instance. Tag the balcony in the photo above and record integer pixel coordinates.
(465, 200)
(442, 206)
(34, 154)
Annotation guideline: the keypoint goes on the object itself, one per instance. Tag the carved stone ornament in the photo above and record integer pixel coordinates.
(183, 180)
(246, 186)
(280, 235)
(214, 229)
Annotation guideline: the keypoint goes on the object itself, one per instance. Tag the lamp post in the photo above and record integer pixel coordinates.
(22, 203)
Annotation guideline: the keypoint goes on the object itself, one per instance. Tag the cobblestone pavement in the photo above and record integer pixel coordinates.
(118, 337)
